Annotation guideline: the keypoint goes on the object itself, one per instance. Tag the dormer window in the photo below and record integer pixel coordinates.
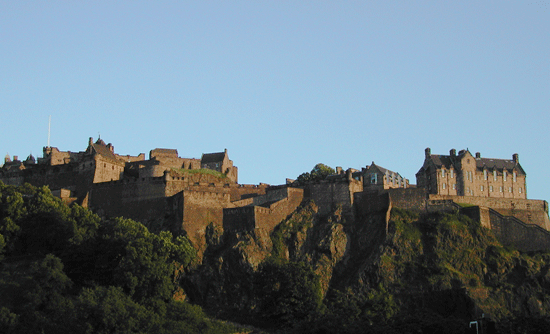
(373, 178)
(452, 173)
(485, 174)
(442, 173)
(494, 175)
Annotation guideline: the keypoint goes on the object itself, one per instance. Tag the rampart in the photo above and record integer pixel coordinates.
(139, 199)
(512, 231)
(327, 194)
(509, 229)
(264, 211)
(192, 211)
(529, 211)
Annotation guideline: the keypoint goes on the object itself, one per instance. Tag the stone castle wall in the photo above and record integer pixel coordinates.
(264, 211)
(199, 210)
(328, 193)
(511, 231)
(529, 211)
(138, 199)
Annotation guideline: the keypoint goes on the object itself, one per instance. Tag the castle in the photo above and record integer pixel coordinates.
(463, 175)
(189, 196)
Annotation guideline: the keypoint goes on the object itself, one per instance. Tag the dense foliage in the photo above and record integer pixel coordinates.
(319, 172)
(64, 270)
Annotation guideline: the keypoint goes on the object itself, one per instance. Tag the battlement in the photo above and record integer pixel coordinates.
(263, 211)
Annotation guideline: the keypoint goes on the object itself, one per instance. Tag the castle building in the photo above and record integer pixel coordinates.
(220, 162)
(376, 177)
(74, 173)
(463, 174)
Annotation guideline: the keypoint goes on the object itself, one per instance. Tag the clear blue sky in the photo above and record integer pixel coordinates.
(282, 85)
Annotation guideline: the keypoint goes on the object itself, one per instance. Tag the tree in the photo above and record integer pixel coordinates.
(319, 172)
(287, 292)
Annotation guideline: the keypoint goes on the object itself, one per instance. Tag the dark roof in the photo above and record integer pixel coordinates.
(212, 157)
(442, 160)
(168, 151)
(103, 151)
(447, 161)
(498, 164)
(382, 169)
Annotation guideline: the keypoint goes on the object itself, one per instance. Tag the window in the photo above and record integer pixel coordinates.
(491, 188)
(442, 173)
(470, 177)
(494, 175)
(500, 189)
(504, 175)
(520, 190)
(454, 186)
(514, 176)
(373, 178)
(481, 188)
(452, 173)
(509, 189)
(444, 185)
(485, 174)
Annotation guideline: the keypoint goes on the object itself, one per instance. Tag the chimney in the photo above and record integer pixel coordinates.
(478, 155)
(515, 157)
(15, 158)
(339, 170)
(452, 152)
(7, 158)
(90, 141)
(111, 147)
(428, 152)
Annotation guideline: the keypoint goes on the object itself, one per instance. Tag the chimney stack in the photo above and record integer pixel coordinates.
(515, 157)
(428, 152)
(452, 152)
(478, 155)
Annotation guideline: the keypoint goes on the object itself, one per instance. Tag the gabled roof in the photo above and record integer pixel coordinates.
(442, 160)
(103, 151)
(381, 169)
(213, 157)
(498, 164)
(165, 151)
(448, 161)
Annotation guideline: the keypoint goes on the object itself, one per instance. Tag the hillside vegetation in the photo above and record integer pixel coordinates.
(63, 269)
(66, 271)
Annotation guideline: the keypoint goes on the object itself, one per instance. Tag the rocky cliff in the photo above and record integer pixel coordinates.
(373, 268)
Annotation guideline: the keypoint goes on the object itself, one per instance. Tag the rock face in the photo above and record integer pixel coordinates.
(387, 264)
